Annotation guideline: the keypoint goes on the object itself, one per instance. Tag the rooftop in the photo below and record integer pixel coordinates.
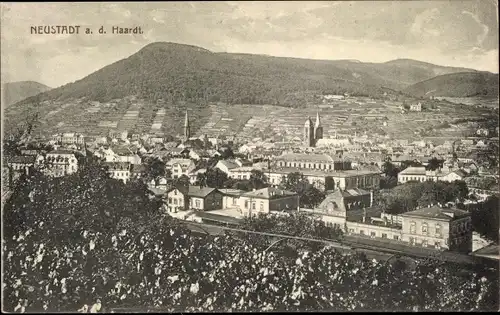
(22, 159)
(413, 171)
(323, 173)
(438, 213)
(269, 193)
(232, 192)
(118, 166)
(324, 158)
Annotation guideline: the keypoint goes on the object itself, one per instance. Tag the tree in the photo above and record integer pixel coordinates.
(182, 181)
(258, 179)
(434, 164)
(154, 169)
(291, 181)
(485, 218)
(215, 178)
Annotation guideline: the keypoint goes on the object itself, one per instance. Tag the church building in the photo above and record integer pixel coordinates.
(312, 133)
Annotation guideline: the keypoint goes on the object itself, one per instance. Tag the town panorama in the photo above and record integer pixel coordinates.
(177, 178)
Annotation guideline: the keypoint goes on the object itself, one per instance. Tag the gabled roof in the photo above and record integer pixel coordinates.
(460, 173)
(229, 164)
(336, 198)
(269, 193)
(231, 192)
(193, 191)
(413, 171)
(196, 191)
(438, 213)
(182, 162)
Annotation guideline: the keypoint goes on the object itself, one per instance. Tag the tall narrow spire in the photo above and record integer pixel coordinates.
(187, 132)
(318, 122)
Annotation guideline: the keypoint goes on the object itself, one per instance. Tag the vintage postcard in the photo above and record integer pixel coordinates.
(270, 156)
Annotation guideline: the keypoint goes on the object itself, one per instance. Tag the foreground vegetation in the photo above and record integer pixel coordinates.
(87, 242)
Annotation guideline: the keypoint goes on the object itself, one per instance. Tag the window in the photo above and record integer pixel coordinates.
(169, 200)
(424, 243)
(437, 244)
(413, 227)
(361, 232)
(197, 203)
(412, 240)
(384, 235)
(438, 230)
(235, 200)
(261, 206)
(424, 229)
(175, 201)
(175, 192)
(246, 204)
(253, 205)
(373, 234)
(396, 237)
(351, 230)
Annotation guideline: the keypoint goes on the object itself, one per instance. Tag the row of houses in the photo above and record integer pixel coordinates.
(198, 198)
(437, 227)
(351, 210)
(420, 174)
(56, 163)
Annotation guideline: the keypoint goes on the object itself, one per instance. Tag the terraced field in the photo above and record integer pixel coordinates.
(94, 118)
(245, 122)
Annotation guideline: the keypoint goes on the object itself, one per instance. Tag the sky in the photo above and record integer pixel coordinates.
(449, 33)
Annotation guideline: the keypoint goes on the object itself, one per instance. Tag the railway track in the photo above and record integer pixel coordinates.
(350, 244)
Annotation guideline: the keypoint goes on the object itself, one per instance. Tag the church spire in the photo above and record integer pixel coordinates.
(318, 122)
(187, 133)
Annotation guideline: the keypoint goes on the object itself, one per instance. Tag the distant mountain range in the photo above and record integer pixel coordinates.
(462, 84)
(175, 72)
(16, 91)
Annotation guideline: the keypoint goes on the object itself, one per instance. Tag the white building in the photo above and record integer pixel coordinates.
(179, 167)
(58, 163)
(420, 174)
(416, 107)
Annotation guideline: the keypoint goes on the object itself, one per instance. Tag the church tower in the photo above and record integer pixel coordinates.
(187, 132)
(318, 129)
(309, 133)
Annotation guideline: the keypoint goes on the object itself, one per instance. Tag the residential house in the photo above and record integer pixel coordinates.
(137, 171)
(68, 138)
(268, 200)
(416, 107)
(21, 163)
(231, 197)
(193, 175)
(420, 174)
(193, 198)
(160, 183)
(58, 163)
(119, 170)
(226, 165)
(179, 167)
(445, 228)
(340, 205)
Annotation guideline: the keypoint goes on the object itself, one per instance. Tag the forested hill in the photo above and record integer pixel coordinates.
(175, 72)
(14, 92)
(464, 84)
